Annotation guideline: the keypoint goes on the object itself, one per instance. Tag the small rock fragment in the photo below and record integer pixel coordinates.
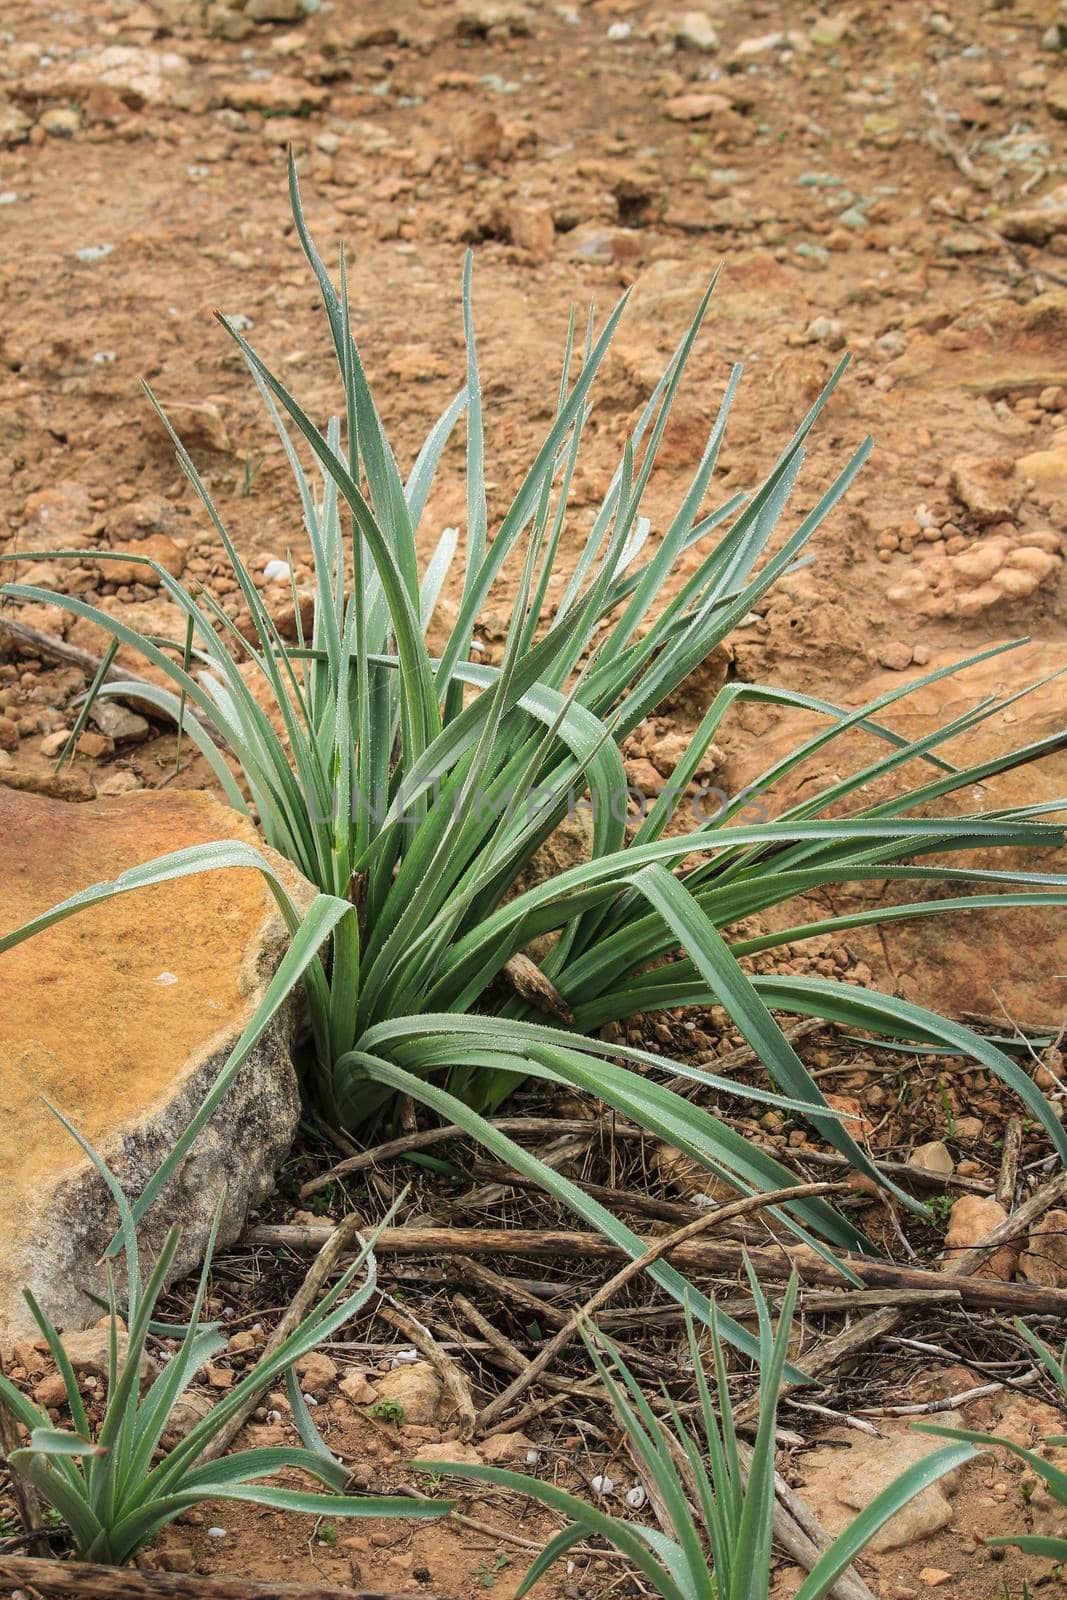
(1047, 468)
(1044, 1260)
(157, 547)
(696, 106)
(895, 655)
(118, 722)
(416, 1388)
(51, 1391)
(839, 1482)
(971, 1218)
(274, 10)
(478, 138)
(198, 423)
(827, 331)
(62, 122)
(932, 1157)
(990, 488)
(317, 1371)
(14, 125)
(1056, 96)
(694, 31)
(532, 229)
(87, 1351)
(356, 1388)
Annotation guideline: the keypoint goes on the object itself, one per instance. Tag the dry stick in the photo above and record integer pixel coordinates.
(631, 1270)
(837, 1303)
(918, 1177)
(531, 984)
(701, 1255)
(453, 1379)
(550, 1155)
(510, 1292)
(636, 1204)
(25, 1496)
(511, 1357)
(951, 1402)
(130, 1583)
(306, 1296)
(46, 644)
(1008, 1175)
(396, 1148)
(424, 1140)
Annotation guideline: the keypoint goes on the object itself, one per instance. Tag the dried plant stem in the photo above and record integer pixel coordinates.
(702, 1255)
(337, 1243)
(23, 1493)
(1008, 1176)
(130, 1583)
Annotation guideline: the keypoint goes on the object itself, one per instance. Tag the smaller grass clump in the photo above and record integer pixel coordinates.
(112, 1486)
(714, 1499)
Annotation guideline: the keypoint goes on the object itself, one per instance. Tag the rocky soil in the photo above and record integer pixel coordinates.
(883, 179)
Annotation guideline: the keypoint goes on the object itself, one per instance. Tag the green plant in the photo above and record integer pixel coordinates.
(388, 1411)
(715, 1510)
(488, 1571)
(110, 1485)
(1054, 1478)
(251, 472)
(414, 789)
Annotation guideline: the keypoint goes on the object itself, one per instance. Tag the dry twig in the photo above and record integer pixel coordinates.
(335, 1245)
(706, 1255)
(130, 1583)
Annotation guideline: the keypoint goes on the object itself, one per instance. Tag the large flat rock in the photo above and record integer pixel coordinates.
(122, 1016)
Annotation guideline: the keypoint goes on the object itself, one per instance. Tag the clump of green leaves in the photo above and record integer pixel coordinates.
(113, 1486)
(715, 1510)
(413, 787)
(388, 1411)
(490, 1569)
(1054, 1478)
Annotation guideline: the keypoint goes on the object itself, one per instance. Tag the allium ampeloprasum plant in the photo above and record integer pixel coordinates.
(715, 1512)
(417, 896)
(111, 1485)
